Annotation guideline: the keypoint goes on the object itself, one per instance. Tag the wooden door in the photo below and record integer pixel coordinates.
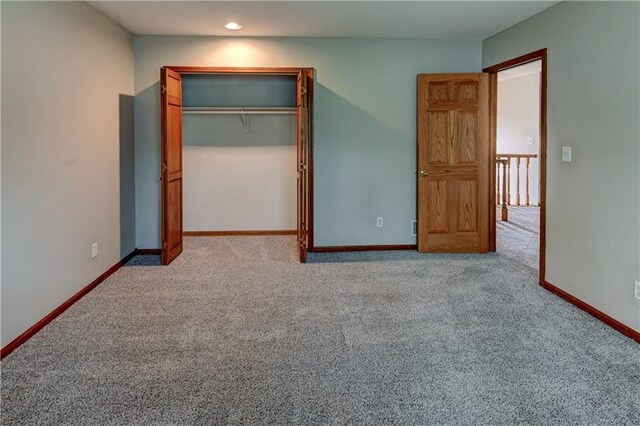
(453, 163)
(303, 149)
(171, 166)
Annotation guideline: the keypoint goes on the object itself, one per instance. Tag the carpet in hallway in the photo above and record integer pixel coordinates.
(518, 238)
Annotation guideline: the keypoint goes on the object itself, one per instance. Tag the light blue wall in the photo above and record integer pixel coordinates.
(593, 211)
(365, 123)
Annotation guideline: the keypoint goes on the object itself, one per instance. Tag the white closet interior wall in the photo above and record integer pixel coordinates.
(239, 177)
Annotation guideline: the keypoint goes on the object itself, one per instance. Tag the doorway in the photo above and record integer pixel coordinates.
(518, 163)
(457, 162)
(518, 177)
(183, 90)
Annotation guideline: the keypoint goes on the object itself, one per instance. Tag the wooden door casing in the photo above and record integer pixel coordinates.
(453, 163)
(171, 173)
(303, 163)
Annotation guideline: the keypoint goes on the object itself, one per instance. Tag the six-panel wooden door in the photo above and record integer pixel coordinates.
(453, 163)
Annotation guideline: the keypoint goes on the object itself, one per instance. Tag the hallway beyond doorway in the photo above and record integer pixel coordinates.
(519, 238)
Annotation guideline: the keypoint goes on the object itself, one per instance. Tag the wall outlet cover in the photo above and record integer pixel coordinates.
(566, 154)
(94, 250)
(414, 228)
(379, 222)
(636, 290)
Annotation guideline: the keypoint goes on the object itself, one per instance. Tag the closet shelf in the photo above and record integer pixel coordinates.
(239, 111)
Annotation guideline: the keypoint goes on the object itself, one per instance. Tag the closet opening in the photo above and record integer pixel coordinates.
(236, 154)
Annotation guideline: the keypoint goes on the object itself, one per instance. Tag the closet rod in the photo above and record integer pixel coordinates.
(239, 111)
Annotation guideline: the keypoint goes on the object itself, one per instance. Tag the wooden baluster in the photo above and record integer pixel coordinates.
(498, 182)
(508, 180)
(518, 181)
(504, 160)
(505, 212)
(527, 184)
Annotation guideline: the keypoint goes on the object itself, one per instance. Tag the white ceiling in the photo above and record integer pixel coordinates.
(465, 20)
(521, 70)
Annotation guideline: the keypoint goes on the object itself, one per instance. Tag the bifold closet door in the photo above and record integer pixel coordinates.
(303, 150)
(171, 173)
(453, 163)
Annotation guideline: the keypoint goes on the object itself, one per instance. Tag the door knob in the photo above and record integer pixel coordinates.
(423, 173)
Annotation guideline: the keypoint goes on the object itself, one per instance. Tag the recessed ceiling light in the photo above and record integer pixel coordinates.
(233, 26)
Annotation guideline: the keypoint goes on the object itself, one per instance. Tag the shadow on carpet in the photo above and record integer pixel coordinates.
(145, 260)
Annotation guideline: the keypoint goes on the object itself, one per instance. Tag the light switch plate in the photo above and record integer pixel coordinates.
(566, 154)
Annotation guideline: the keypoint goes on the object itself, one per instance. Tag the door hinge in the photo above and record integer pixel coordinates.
(303, 166)
(303, 90)
(164, 89)
(164, 167)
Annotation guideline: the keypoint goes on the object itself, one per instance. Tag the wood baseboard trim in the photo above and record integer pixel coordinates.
(145, 252)
(336, 249)
(611, 322)
(238, 233)
(18, 341)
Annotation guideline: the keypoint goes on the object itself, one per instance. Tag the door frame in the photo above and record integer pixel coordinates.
(493, 70)
(293, 71)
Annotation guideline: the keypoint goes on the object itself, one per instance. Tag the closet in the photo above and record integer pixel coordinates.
(236, 154)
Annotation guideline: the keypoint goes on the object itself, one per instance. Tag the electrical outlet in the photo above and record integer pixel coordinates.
(379, 222)
(414, 228)
(531, 140)
(636, 290)
(94, 250)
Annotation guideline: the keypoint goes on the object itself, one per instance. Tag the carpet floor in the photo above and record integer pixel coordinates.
(518, 238)
(235, 331)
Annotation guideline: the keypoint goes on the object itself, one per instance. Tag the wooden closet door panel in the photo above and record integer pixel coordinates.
(171, 175)
(453, 162)
(303, 156)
